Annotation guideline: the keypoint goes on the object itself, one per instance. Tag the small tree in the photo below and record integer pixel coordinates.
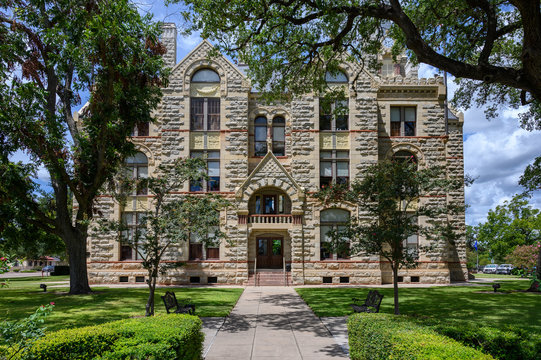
(388, 197)
(170, 219)
(524, 256)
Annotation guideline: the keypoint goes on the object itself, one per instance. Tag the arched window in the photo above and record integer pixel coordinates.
(137, 167)
(279, 136)
(205, 111)
(404, 156)
(206, 76)
(333, 219)
(260, 136)
(338, 77)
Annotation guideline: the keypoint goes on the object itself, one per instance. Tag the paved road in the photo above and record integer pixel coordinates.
(273, 323)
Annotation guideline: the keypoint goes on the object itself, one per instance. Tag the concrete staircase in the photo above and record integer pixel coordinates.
(269, 278)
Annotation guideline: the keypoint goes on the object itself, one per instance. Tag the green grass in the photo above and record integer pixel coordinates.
(494, 276)
(105, 304)
(464, 304)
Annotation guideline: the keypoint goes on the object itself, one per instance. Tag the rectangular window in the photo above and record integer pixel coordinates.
(212, 158)
(131, 250)
(278, 140)
(141, 129)
(334, 116)
(204, 114)
(212, 249)
(213, 253)
(403, 119)
(333, 167)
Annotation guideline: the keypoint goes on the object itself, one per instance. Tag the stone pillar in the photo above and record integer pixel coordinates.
(169, 40)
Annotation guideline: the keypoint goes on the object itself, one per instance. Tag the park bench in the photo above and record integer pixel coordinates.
(371, 304)
(171, 304)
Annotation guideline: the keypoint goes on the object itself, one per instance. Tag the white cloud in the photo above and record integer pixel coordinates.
(496, 151)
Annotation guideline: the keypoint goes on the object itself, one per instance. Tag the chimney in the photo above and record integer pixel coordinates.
(169, 40)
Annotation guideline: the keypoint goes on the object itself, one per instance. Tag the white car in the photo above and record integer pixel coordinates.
(490, 269)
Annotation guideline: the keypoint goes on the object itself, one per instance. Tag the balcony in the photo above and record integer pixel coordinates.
(261, 220)
(270, 219)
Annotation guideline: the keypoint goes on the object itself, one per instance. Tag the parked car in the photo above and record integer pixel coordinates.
(48, 268)
(504, 269)
(490, 269)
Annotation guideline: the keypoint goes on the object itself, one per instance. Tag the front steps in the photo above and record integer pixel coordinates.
(269, 278)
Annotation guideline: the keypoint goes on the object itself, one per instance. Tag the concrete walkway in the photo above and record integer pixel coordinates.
(273, 323)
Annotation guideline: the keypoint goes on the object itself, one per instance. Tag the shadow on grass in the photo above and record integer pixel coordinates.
(464, 304)
(105, 304)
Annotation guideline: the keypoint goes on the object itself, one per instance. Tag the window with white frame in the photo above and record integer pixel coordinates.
(333, 167)
(403, 120)
(333, 219)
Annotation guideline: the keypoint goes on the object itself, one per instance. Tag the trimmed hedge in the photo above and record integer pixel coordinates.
(385, 336)
(61, 270)
(159, 337)
(507, 344)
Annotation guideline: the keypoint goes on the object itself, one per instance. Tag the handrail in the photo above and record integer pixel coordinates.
(255, 272)
(285, 275)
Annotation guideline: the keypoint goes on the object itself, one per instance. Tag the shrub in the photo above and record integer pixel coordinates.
(16, 270)
(385, 336)
(160, 337)
(510, 344)
(17, 337)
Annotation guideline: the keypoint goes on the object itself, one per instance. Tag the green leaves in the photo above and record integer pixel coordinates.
(487, 45)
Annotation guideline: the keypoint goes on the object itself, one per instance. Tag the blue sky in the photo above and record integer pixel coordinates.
(495, 151)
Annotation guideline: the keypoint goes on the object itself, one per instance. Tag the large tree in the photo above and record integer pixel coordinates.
(492, 46)
(389, 196)
(509, 225)
(53, 54)
(19, 237)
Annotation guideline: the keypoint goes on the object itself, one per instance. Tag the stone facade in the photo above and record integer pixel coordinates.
(291, 177)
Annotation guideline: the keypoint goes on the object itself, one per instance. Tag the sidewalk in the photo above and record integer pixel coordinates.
(273, 323)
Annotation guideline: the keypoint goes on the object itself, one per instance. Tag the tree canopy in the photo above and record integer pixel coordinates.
(509, 225)
(492, 47)
(389, 196)
(53, 54)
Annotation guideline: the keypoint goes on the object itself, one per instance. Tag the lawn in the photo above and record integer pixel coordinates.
(464, 304)
(105, 304)
(495, 276)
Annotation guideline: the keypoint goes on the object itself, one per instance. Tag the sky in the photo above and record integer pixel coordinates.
(496, 152)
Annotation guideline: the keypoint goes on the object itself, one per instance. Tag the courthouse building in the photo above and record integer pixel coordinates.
(268, 159)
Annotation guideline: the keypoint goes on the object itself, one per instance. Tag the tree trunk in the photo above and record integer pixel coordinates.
(151, 291)
(395, 287)
(76, 245)
(538, 270)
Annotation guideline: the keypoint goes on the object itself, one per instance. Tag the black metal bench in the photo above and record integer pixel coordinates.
(371, 304)
(172, 305)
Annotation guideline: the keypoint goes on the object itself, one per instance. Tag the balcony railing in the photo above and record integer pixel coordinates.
(270, 219)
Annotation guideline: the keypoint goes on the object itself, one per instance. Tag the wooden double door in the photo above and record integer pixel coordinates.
(270, 252)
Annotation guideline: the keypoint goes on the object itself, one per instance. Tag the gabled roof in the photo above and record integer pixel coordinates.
(203, 43)
(269, 158)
